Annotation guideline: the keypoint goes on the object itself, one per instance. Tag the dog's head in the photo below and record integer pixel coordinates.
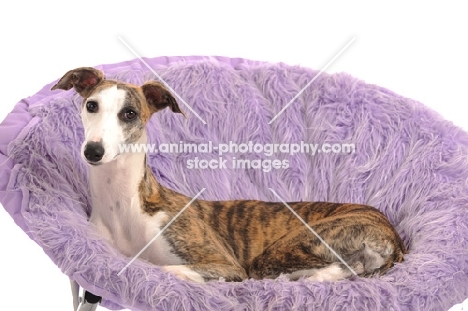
(114, 113)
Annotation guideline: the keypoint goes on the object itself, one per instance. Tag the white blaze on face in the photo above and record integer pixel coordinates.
(103, 125)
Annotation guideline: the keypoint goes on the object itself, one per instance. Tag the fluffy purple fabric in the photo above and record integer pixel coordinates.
(409, 163)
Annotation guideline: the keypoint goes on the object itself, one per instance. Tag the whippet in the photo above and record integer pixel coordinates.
(233, 240)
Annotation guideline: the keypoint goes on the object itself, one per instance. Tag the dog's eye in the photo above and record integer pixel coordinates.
(129, 114)
(92, 106)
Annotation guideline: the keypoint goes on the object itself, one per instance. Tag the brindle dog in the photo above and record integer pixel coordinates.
(234, 240)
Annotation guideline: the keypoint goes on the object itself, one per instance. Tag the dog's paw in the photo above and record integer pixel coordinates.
(333, 272)
(184, 273)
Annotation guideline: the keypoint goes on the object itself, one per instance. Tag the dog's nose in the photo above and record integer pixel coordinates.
(93, 152)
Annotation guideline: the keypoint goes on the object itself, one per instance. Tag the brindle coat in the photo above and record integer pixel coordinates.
(244, 239)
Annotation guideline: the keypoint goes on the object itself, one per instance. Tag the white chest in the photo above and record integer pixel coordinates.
(118, 216)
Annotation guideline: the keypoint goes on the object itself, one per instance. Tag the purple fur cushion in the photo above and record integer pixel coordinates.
(408, 162)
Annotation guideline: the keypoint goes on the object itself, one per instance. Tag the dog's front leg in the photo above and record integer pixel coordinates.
(205, 272)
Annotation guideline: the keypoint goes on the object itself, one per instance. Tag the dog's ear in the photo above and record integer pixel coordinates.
(158, 97)
(83, 80)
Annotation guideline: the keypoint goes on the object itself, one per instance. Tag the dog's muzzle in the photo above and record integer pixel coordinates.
(93, 152)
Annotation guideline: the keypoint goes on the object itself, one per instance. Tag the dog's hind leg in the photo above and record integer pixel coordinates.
(301, 254)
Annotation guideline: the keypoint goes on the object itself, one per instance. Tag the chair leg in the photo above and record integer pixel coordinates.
(75, 288)
(90, 302)
(87, 303)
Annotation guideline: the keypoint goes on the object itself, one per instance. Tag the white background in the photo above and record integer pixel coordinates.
(418, 50)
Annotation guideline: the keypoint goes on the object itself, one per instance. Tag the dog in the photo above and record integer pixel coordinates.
(212, 240)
